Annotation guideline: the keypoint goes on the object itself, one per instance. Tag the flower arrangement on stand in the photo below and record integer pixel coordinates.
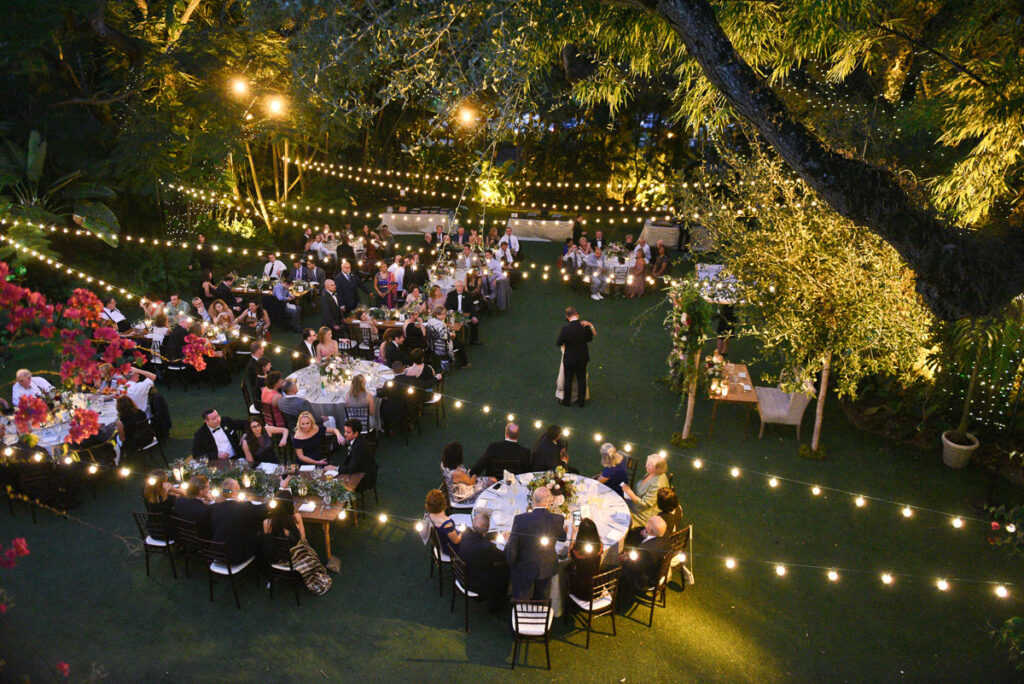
(336, 371)
(615, 249)
(560, 483)
(689, 321)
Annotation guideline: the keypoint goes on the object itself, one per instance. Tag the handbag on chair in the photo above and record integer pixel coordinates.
(306, 563)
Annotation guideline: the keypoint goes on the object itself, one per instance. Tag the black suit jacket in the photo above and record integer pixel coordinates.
(236, 524)
(304, 358)
(575, 337)
(194, 510)
(174, 344)
(487, 570)
(330, 311)
(451, 302)
(502, 451)
(529, 559)
(360, 459)
(204, 445)
(348, 290)
(642, 573)
(346, 253)
(392, 353)
(222, 291)
(545, 456)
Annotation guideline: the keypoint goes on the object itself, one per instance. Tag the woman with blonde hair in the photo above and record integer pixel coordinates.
(159, 496)
(357, 396)
(434, 299)
(643, 503)
(326, 345)
(309, 436)
(615, 473)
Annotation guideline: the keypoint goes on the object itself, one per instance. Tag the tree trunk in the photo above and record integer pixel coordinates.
(286, 163)
(972, 386)
(274, 161)
(256, 185)
(691, 396)
(819, 410)
(960, 273)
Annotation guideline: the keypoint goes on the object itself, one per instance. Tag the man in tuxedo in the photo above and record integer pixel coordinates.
(218, 438)
(487, 571)
(396, 399)
(575, 336)
(359, 466)
(252, 368)
(348, 285)
(345, 251)
(306, 351)
(224, 293)
(194, 506)
(174, 343)
(114, 315)
(236, 524)
(599, 240)
(393, 350)
(331, 313)
(438, 236)
(508, 451)
(642, 574)
(530, 550)
(415, 272)
(461, 301)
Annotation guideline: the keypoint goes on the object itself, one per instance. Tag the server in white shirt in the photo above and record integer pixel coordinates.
(139, 385)
(398, 268)
(513, 242)
(273, 268)
(26, 384)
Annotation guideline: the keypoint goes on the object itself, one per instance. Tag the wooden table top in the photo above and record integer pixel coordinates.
(737, 377)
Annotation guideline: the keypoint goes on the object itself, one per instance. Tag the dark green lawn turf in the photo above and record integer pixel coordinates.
(81, 597)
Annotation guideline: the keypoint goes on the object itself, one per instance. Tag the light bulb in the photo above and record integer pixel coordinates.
(151, 481)
(773, 482)
(419, 526)
(816, 490)
(907, 511)
(735, 472)
(597, 437)
(486, 409)
(565, 432)
(544, 541)
(383, 517)
(633, 555)
(588, 548)
(125, 472)
(780, 570)
(886, 578)
(1011, 528)
(458, 404)
(627, 448)
(273, 503)
(537, 424)
(698, 464)
(860, 501)
(1001, 591)
(215, 493)
(342, 515)
(833, 576)
(730, 563)
(958, 522)
(942, 585)
(93, 469)
(510, 417)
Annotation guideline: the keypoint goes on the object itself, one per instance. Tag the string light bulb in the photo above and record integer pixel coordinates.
(597, 437)
(1011, 528)
(773, 482)
(816, 490)
(588, 548)
(942, 585)
(151, 481)
(544, 541)
(907, 511)
(273, 503)
(780, 570)
(486, 409)
(833, 576)
(537, 424)
(735, 472)
(730, 563)
(342, 515)
(1001, 591)
(383, 518)
(458, 403)
(886, 578)
(860, 501)
(698, 464)
(510, 417)
(125, 472)
(633, 555)
(419, 526)
(957, 522)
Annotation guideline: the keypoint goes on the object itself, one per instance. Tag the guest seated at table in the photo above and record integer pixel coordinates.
(545, 454)
(423, 375)
(270, 397)
(202, 313)
(262, 370)
(292, 405)
(507, 454)
(160, 328)
(487, 571)
(531, 548)
(393, 349)
(363, 316)
(176, 307)
(358, 397)
(236, 524)
(584, 559)
(662, 262)
(615, 473)
(27, 385)
(282, 293)
(218, 438)
(195, 505)
(221, 315)
(305, 352)
(223, 292)
(415, 302)
(463, 488)
(669, 510)
(151, 307)
(443, 525)
(111, 313)
(137, 386)
(385, 342)
(326, 347)
(309, 437)
(133, 429)
(397, 403)
(641, 574)
(461, 301)
(435, 299)
(207, 287)
(359, 469)
(258, 444)
(174, 342)
(253, 322)
(284, 521)
(415, 333)
(643, 502)
(159, 496)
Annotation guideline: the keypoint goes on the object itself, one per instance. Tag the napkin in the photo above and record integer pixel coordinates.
(268, 468)
(308, 507)
(620, 519)
(508, 477)
(307, 468)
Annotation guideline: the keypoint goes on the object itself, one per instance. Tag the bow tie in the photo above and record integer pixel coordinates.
(215, 430)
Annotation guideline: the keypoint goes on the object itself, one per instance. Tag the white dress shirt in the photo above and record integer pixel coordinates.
(513, 242)
(646, 249)
(113, 315)
(37, 388)
(273, 269)
(138, 392)
(399, 273)
(223, 443)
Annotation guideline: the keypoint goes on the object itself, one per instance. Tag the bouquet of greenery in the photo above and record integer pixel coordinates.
(561, 484)
(335, 371)
(615, 249)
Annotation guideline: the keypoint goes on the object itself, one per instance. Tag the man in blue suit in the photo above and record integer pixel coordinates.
(348, 285)
(530, 550)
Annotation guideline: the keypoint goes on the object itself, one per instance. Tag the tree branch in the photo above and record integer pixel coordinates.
(960, 273)
(96, 99)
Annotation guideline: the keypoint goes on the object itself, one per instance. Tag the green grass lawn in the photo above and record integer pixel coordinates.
(82, 596)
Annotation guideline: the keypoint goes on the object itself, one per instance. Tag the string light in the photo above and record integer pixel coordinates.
(958, 522)
(730, 563)
(383, 518)
(942, 585)
(833, 576)
(907, 512)
(774, 482)
(886, 578)
(860, 501)
(698, 464)
(780, 570)
(735, 472)
(1001, 591)
(816, 490)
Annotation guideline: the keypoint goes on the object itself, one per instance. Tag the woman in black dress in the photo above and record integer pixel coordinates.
(258, 444)
(159, 497)
(584, 559)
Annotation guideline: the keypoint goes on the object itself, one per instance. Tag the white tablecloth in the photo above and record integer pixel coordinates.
(330, 401)
(53, 436)
(404, 224)
(719, 286)
(537, 228)
(653, 232)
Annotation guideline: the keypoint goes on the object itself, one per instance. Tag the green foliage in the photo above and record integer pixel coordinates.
(690, 322)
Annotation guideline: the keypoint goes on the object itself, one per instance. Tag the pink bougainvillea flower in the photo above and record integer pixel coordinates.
(84, 424)
(995, 525)
(195, 349)
(20, 546)
(64, 668)
(3, 608)
(31, 412)
(9, 558)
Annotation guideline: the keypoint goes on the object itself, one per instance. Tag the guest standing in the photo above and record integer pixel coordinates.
(574, 338)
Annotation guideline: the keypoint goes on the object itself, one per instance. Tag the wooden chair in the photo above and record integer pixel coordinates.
(531, 623)
(655, 595)
(459, 585)
(631, 464)
(220, 566)
(251, 406)
(186, 534)
(281, 567)
(438, 558)
(151, 529)
(600, 601)
(435, 403)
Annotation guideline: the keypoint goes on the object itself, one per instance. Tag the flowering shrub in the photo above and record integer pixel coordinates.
(30, 413)
(84, 424)
(196, 347)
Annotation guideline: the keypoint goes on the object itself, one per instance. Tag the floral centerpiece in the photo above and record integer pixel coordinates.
(456, 319)
(560, 483)
(378, 314)
(335, 371)
(615, 249)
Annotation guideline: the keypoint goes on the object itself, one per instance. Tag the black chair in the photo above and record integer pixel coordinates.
(459, 585)
(655, 595)
(152, 529)
(186, 535)
(438, 558)
(435, 403)
(281, 567)
(251, 406)
(220, 566)
(362, 414)
(367, 342)
(38, 484)
(141, 439)
(631, 464)
(682, 552)
(600, 601)
(276, 310)
(531, 623)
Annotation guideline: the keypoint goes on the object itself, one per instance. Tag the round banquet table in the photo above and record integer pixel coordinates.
(594, 500)
(330, 401)
(51, 437)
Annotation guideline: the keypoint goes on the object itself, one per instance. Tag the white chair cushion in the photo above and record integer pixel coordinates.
(280, 566)
(222, 569)
(599, 604)
(252, 409)
(462, 519)
(533, 627)
(442, 556)
(157, 542)
(471, 594)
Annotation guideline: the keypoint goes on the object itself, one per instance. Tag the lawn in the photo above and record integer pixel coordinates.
(82, 596)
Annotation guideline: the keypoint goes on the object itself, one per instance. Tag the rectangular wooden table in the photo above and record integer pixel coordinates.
(737, 378)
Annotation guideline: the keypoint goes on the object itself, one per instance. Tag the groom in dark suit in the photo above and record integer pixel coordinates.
(348, 285)
(575, 335)
(530, 550)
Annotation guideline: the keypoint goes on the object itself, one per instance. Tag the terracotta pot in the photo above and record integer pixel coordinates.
(957, 455)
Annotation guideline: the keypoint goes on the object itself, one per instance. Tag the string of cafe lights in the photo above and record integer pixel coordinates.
(860, 500)
(832, 573)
